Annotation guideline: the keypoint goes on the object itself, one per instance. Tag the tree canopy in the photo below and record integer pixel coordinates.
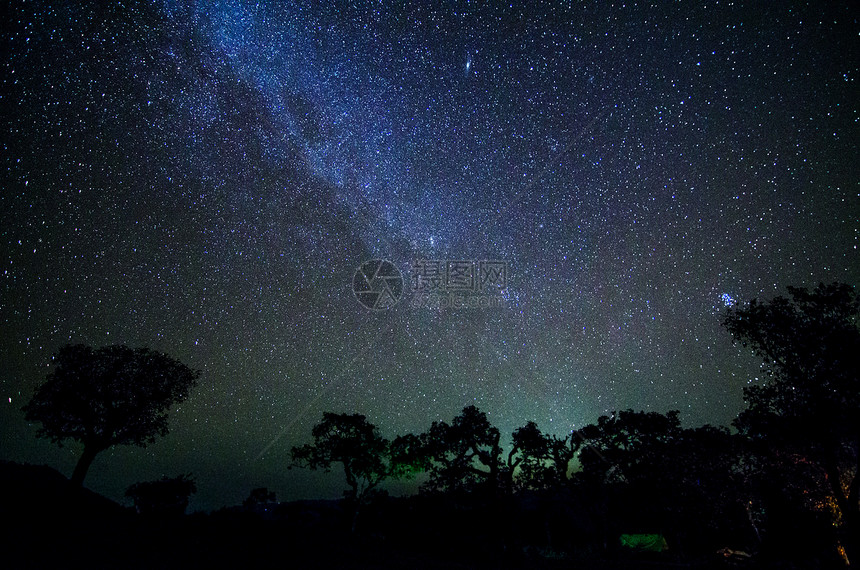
(352, 441)
(167, 496)
(537, 460)
(367, 457)
(463, 455)
(809, 405)
(109, 396)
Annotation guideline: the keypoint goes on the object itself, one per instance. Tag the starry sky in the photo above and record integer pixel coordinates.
(206, 181)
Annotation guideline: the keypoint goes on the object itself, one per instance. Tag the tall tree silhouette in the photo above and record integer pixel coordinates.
(349, 439)
(536, 460)
(810, 402)
(114, 395)
(464, 455)
(352, 441)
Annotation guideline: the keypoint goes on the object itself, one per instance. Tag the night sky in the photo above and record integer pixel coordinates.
(206, 181)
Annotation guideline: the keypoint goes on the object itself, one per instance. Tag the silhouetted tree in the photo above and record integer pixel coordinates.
(708, 476)
(641, 472)
(355, 443)
(810, 401)
(624, 446)
(561, 453)
(164, 497)
(464, 455)
(111, 396)
(525, 465)
(352, 441)
(537, 460)
(259, 496)
(534, 475)
(689, 482)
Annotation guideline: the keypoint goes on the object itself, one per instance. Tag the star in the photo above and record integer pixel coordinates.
(208, 182)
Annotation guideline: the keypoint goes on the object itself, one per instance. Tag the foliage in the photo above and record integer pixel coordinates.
(810, 347)
(354, 443)
(110, 396)
(623, 446)
(809, 407)
(260, 496)
(407, 458)
(168, 496)
(661, 475)
(537, 460)
(464, 455)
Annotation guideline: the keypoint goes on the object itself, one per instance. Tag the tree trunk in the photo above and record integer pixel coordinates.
(354, 519)
(851, 516)
(752, 520)
(853, 499)
(847, 505)
(83, 465)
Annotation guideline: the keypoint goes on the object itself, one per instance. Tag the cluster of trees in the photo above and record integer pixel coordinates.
(795, 451)
(669, 477)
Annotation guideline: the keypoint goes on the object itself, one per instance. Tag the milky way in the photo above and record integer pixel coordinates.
(206, 181)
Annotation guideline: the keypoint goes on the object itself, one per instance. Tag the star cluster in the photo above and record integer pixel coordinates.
(206, 180)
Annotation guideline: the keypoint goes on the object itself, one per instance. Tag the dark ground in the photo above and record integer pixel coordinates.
(54, 525)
